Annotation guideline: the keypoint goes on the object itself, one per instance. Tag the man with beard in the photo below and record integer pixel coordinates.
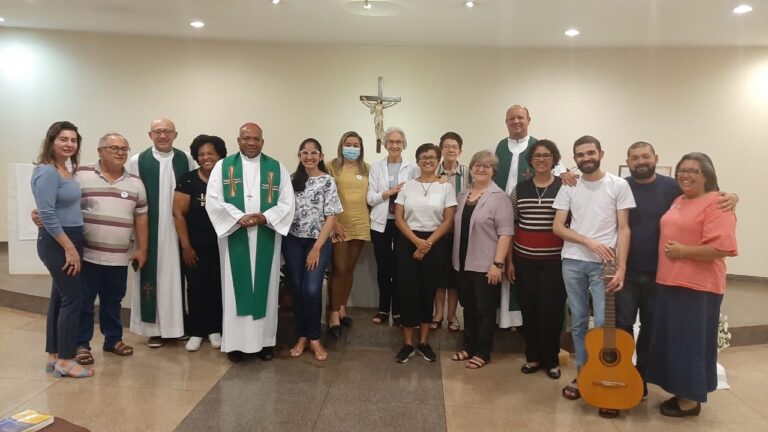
(599, 232)
(654, 195)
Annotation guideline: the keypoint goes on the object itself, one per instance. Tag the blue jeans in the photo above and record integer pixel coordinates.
(306, 285)
(583, 278)
(108, 282)
(639, 293)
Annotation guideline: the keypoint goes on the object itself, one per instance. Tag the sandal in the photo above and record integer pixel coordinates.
(608, 412)
(435, 325)
(62, 372)
(461, 356)
(120, 349)
(476, 363)
(454, 325)
(571, 392)
(380, 318)
(529, 367)
(554, 373)
(298, 349)
(84, 356)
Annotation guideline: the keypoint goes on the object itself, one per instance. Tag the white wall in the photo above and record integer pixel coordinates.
(711, 99)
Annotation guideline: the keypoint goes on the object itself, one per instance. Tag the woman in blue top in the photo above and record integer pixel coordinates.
(60, 244)
(307, 247)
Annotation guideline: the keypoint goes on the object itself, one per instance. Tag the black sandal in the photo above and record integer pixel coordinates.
(570, 391)
(380, 318)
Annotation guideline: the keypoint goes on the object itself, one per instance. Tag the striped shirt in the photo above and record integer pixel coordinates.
(534, 238)
(109, 209)
(460, 178)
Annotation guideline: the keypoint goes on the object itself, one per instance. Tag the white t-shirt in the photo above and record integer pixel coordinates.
(593, 207)
(423, 203)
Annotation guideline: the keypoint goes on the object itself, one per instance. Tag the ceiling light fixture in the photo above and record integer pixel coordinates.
(742, 9)
(572, 32)
(275, 1)
(469, 4)
(197, 24)
(367, 4)
(2, 19)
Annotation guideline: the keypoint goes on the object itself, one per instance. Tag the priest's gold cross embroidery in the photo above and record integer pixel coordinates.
(270, 187)
(232, 182)
(147, 288)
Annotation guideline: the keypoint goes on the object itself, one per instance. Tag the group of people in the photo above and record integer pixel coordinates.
(513, 237)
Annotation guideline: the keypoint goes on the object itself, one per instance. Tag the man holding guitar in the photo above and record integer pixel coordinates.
(599, 206)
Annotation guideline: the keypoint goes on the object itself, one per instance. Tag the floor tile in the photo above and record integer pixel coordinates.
(14, 392)
(351, 416)
(11, 319)
(517, 418)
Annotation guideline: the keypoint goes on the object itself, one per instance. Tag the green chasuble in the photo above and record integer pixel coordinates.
(501, 178)
(149, 171)
(251, 291)
(524, 171)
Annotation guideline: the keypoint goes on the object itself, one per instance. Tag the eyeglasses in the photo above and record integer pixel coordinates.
(427, 158)
(117, 150)
(398, 142)
(451, 147)
(305, 153)
(482, 166)
(690, 171)
(542, 156)
(162, 132)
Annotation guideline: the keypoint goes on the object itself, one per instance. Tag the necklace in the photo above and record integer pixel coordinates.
(426, 190)
(541, 195)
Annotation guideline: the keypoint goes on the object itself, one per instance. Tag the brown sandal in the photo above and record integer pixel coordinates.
(476, 363)
(84, 356)
(121, 349)
(461, 356)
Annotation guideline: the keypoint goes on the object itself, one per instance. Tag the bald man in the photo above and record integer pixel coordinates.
(157, 310)
(251, 204)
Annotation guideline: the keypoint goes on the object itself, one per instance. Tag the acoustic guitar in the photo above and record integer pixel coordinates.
(609, 379)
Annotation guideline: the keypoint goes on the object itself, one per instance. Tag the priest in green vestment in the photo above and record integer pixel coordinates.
(157, 305)
(250, 203)
(513, 168)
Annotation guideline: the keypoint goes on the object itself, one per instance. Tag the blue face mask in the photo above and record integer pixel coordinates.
(350, 153)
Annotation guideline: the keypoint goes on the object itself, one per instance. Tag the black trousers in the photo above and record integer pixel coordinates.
(67, 293)
(479, 300)
(384, 251)
(542, 297)
(417, 281)
(204, 307)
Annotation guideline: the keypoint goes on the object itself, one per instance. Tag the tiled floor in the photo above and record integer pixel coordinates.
(355, 390)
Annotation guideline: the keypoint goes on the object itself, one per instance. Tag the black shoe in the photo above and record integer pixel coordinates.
(346, 321)
(528, 369)
(608, 413)
(236, 356)
(335, 331)
(183, 338)
(405, 353)
(670, 408)
(426, 352)
(554, 373)
(267, 353)
(155, 342)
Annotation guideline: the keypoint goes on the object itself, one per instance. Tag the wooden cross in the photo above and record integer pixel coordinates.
(270, 187)
(377, 105)
(232, 182)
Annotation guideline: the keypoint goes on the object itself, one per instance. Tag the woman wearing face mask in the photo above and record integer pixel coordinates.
(352, 228)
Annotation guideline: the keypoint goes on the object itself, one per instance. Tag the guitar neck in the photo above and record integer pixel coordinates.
(609, 322)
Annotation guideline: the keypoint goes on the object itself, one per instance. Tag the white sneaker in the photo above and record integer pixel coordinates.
(215, 340)
(193, 344)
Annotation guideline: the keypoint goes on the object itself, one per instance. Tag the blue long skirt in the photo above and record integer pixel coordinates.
(683, 355)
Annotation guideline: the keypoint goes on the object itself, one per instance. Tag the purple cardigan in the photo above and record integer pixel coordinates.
(494, 216)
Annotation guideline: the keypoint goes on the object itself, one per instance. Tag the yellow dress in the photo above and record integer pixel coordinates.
(353, 188)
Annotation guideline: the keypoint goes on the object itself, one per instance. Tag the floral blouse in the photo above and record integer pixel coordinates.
(319, 199)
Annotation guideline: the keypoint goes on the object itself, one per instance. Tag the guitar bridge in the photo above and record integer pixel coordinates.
(609, 384)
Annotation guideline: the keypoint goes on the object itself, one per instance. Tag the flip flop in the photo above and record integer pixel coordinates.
(571, 392)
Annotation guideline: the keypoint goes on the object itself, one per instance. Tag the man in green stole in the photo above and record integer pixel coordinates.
(250, 203)
(513, 169)
(157, 306)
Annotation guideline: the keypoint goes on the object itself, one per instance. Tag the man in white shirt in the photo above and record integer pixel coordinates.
(598, 233)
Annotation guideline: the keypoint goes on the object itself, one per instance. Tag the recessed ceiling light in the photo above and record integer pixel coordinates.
(275, 1)
(367, 4)
(742, 9)
(572, 32)
(197, 24)
(2, 19)
(469, 4)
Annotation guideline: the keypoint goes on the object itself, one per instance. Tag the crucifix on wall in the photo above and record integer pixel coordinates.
(377, 105)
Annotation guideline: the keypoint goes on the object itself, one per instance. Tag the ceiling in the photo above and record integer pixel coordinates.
(444, 23)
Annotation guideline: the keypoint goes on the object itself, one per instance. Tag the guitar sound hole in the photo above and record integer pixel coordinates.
(609, 357)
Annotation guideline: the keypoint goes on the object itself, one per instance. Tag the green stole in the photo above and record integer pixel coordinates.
(251, 291)
(505, 163)
(149, 171)
(502, 176)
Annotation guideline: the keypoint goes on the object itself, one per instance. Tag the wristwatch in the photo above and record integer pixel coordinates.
(499, 264)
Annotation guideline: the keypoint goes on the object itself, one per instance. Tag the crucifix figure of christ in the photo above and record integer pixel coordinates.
(377, 105)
